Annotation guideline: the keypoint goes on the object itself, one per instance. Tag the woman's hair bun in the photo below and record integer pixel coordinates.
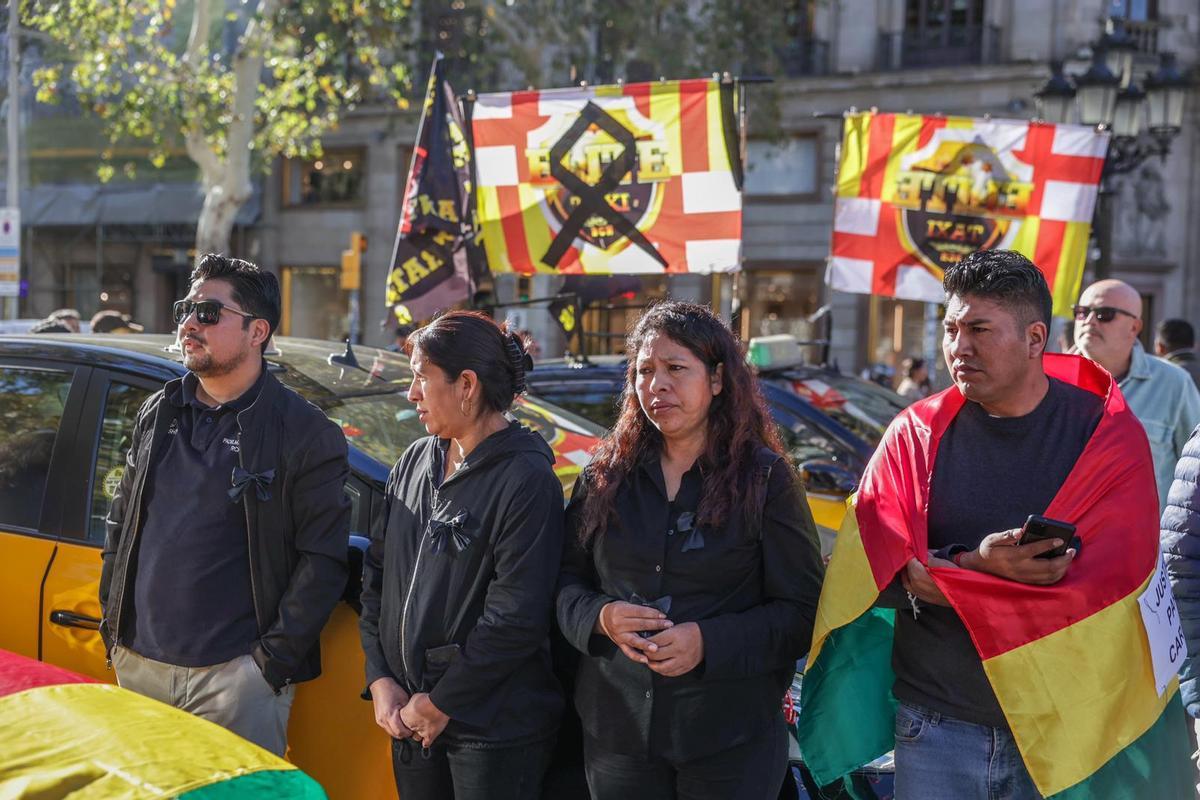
(520, 361)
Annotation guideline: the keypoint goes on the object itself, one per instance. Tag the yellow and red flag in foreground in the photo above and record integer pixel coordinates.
(915, 194)
(640, 178)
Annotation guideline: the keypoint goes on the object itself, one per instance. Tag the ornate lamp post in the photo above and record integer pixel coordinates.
(1143, 123)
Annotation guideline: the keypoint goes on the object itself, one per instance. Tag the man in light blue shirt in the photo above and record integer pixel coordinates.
(1161, 395)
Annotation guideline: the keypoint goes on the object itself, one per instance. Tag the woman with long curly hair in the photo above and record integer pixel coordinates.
(690, 576)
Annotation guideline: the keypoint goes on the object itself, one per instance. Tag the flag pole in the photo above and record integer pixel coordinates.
(409, 183)
(474, 253)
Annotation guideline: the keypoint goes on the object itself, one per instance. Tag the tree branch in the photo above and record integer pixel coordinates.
(198, 148)
(247, 71)
(198, 38)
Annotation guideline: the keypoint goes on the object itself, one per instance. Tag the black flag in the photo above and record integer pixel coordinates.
(429, 260)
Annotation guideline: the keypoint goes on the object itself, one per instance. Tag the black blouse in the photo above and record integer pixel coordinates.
(753, 594)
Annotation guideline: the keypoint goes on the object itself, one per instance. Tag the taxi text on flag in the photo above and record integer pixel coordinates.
(429, 260)
(639, 178)
(916, 194)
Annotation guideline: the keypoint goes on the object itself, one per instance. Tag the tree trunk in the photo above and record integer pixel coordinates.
(215, 224)
(226, 178)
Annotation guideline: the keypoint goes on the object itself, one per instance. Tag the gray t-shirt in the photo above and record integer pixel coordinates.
(990, 474)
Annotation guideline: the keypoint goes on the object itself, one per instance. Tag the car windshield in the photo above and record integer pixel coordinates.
(368, 400)
(804, 442)
(863, 408)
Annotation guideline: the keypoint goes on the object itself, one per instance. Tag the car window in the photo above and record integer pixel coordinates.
(116, 432)
(864, 409)
(31, 410)
(805, 442)
(601, 407)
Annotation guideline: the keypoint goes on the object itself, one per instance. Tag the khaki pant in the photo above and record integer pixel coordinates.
(234, 695)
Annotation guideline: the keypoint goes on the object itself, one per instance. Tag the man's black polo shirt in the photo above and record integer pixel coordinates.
(990, 474)
(193, 603)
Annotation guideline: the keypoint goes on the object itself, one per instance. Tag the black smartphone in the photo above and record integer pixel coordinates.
(1038, 529)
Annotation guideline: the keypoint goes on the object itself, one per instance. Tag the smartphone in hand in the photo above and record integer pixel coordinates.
(1038, 529)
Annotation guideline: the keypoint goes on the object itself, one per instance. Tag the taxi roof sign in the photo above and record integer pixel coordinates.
(775, 352)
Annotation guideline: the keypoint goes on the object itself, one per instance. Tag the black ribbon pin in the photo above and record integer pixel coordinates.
(452, 531)
(242, 479)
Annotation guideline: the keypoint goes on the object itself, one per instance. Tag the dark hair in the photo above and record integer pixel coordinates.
(1005, 276)
(1176, 334)
(738, 424)
(254, 289)
(910, 365)
(462, 340)
(49, 326)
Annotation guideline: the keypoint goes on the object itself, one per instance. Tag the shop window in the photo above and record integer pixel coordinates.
(780, 301)
(314, 305)
(900, 329)
(337, 178)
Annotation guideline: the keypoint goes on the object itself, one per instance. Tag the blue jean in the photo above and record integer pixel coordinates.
(942, 758)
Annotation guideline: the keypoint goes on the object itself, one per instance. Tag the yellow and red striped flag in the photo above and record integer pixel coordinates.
(916, 194)
(639, 178)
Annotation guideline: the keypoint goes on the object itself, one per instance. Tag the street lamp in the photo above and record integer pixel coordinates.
(1166, 90)
(1056, 99)
(1127, 114)
(1143, 123)
(1097, 90)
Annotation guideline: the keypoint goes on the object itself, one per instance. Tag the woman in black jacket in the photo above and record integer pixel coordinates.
(690, 577)
(458, 587)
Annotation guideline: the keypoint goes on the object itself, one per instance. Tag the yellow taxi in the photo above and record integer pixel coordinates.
(67, 409)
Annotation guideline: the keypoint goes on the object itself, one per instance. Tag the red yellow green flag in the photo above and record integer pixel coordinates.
(64, 735)
(916, 194)
(1070, 663)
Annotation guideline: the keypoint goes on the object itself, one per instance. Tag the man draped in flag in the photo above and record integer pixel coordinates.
(1016, 676)
(429, 260)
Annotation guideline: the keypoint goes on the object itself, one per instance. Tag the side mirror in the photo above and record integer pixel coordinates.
(826, 477)
(356, 553)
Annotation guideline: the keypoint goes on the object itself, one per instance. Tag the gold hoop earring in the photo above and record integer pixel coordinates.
(465, 407)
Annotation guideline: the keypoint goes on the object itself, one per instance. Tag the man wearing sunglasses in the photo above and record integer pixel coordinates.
(226, 544)
(1162, 396)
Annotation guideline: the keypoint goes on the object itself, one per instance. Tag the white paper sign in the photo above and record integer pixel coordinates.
(1164, 630)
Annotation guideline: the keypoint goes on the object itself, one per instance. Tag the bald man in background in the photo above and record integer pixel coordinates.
(1161, 395)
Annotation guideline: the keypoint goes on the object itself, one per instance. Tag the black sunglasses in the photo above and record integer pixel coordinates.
(1103, 313)
(208, 312)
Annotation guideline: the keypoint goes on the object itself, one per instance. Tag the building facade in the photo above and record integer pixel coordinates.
(968, 57)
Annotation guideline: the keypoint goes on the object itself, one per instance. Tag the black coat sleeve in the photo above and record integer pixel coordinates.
(517, 608)
(372, 591)
(114, 523)
(579, 599)
(321, 520)
(774, 634)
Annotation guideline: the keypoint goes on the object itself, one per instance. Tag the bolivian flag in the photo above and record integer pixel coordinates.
(62, 735)
(1069, 663)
